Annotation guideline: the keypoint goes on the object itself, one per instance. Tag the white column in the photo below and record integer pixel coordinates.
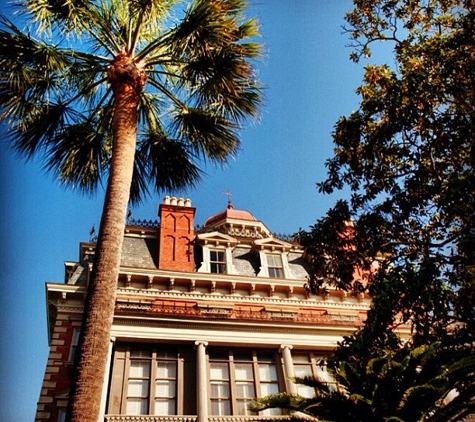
(105, 389)
(289, 372)
(201, 382)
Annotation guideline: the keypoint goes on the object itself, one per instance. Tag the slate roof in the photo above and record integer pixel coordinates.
(140, 252)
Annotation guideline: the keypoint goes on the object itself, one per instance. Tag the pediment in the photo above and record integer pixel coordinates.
(272, 244)
(216, 238)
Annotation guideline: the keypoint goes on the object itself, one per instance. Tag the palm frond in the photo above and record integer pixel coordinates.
(29, 66)
(278, 400)
(164, 163)
(146, 18)
(419, 399)
(207, 133)
(221, 78)
(41, 123)
(150, 106)
(310, 381)
(62, 15)
(78, 157)
(349, 377)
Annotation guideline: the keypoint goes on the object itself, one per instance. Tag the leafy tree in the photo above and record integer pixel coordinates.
(133, 91)
(407, 155)
(406, 235)
(428, 383)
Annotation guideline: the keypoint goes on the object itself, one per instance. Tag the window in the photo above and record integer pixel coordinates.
(237, 377)
(217, 261)
(153, 379)
(62, 415)
(274, 265)
(152, 382)
(74, 344)
(312, 366)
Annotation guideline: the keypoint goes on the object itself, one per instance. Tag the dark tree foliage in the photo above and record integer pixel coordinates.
(404, 386)
(407, 155)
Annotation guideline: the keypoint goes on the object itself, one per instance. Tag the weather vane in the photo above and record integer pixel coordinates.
(229, 195)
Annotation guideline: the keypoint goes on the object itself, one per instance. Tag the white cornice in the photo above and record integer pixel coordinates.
(151, 294)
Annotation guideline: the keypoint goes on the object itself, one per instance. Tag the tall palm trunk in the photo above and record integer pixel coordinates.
(86, 394)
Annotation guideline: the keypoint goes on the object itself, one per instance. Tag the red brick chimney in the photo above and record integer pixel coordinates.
(175, 250)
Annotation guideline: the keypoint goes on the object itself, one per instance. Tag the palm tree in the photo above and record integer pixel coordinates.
(135, 91)
(427, 384)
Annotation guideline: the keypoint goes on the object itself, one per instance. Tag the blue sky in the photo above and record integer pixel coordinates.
(310, 83)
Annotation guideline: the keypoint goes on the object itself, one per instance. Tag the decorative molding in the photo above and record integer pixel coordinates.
(234, 326)
(312, 301)
(146, 418)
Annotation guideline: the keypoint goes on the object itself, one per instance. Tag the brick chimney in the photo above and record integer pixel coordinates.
(175, 251)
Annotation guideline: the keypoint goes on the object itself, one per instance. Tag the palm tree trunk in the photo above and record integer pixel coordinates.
(85, 398)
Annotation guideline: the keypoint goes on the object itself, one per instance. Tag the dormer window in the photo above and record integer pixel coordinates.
(217, 261)
(273, 255)
(274, 265)
(216, 251)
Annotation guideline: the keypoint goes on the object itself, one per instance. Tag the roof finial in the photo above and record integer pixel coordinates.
(229, 195)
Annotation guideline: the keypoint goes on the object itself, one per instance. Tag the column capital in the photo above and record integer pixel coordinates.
(285, 346)
(201, 343)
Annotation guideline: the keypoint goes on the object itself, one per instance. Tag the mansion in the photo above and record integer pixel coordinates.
(205, 321)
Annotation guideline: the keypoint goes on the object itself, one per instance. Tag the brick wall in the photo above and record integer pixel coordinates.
(56, 382)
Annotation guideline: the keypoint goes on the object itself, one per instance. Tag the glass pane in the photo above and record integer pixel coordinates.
(140, 352)
(269, 388)
(275, 273)
(303, 370)
(166, 355)
(243, 356)
(138, 388)
(245, 389)
(166, 369)
(165, 388)
(300, 358)
(267, 372)
(274, 261)
(242, 407)
(220, 407)
(137, 407)
(217, 256)
(219, 389)
(304, 391)
(218, 355)
(165, 407)
(139, 369)
(271, 412)
(243, 371)
(323, 375)
(265, 357)
(218, 268)
(219, 371)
